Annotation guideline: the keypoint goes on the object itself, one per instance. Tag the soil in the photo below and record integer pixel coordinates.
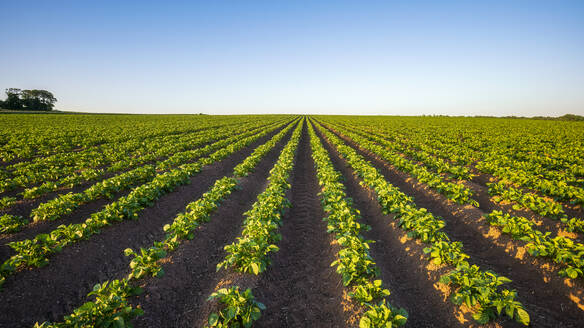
(478, 185)
(299, 288)
(301, 268)
(53, 291)
(542, 292)
(175, 299)
(24, 207)
(404, 270)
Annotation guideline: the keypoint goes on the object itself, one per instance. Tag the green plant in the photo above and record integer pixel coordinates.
(7, 202)
(109, 309)
(383, 315)
(237, 309)
(11, 223)
(146, 262)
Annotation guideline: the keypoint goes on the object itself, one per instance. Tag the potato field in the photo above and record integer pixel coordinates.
(290, 221)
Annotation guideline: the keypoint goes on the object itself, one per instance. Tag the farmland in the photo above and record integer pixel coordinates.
(290, 221)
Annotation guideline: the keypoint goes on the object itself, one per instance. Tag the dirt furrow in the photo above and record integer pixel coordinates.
(49, 293)
(175, 299)
(300, 288)
(23, 207)
(552, 300)
(401, 261)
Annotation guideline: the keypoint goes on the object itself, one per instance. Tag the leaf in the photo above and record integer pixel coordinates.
(481, 317)
(572, 273)
(503, 280)
(522, 316)
(365, 323)
(231, 313)
(255, 268)
(400, 320)
(119, 322)
(213, 319)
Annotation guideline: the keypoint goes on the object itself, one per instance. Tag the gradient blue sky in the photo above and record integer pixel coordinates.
(333, 57)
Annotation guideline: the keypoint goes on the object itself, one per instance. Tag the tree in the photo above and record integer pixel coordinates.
(29, 100)
(38, 100)
(13, 99)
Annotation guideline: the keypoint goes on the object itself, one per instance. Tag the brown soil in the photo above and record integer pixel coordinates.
(479, 187)
(49, 293)
(570, 209)
(301, 269)
(176, 299)
(24, 208)
(544, 224)
(402, 263)
(551, 301)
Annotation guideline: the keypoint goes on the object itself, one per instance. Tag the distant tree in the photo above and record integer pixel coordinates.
(13, 99)
(571, 117)
(37, 100)
(17, 99)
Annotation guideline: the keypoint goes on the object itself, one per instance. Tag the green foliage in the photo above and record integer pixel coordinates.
(7, 202)
(146, 261)
(502, 191)
(383, 315)
(109, 309)
(250, 252)
(11, 223)
(69, 169)
(562, 250)
(377, 145)
(237, 309)
(422, 225)
(354, 263)
(36, 251)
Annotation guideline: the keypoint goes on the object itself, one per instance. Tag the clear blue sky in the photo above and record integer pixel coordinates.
(338, 57)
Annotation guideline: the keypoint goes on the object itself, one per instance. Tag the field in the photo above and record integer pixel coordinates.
(290, 221)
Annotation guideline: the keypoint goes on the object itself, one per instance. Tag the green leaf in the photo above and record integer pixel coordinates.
(481, 317)
(522, 316)
(213, 319)
(119, 322)
(255, 268)
(504, 280)
(400, 320)
(365, 323)
(572, 273)
(231, 312)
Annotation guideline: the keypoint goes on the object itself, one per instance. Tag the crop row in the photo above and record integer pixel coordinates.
(250, 253)
(30, 136)
(111, 306)
(453, 191)
(510, 156)
(65, 204)
(35, 252)
(437, 164)
(562, 250)
(354, 263)
(58, 176)
(500, 191)
(57, 166)
(569, 251)
(478, 289)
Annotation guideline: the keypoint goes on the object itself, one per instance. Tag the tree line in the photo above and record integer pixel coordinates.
(38, 100)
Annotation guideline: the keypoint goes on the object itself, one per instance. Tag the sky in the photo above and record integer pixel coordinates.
(523, 58)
